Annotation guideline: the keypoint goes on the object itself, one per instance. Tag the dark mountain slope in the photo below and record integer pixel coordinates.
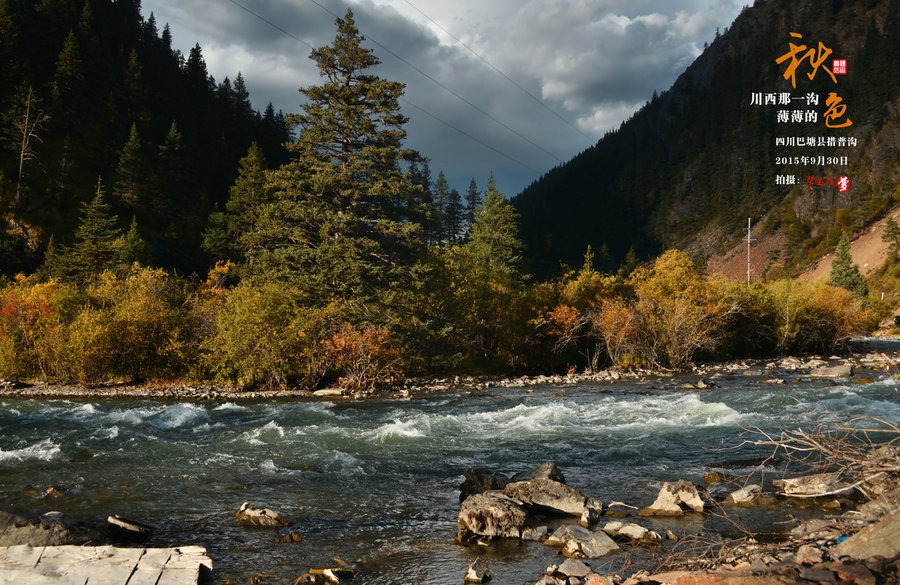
(700, 156)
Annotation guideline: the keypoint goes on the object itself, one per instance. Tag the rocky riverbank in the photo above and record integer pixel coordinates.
(861, 546)
(855, 367)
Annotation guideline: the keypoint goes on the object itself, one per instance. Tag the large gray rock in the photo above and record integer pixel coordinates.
(250, 515)
(549, 496)
(478, 481)
(477, 573)
(490, 515)
(581, 543)
(674, 499)
(51, 529)
(881, 539)
(547, 470)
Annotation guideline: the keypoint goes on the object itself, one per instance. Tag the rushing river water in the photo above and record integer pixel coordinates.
(376, 483)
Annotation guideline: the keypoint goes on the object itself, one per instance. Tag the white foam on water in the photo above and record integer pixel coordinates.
(229, 406)
(106, 433)
(45, 450)
(268, 466)
(561, 418)
(178, 415)
(269, 431)
(344, 463)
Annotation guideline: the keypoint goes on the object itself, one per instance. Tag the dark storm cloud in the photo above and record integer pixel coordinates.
(592, 61)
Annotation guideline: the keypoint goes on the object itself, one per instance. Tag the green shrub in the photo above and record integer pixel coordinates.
(135, 325)
(264, 336)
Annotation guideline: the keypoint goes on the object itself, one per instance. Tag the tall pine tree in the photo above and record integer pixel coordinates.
(339, 225)
(98, 242)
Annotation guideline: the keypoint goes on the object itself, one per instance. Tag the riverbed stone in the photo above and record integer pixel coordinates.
(880, 539)
(251, 516)
(806, 486)
(477, 572)
(546, 470)
(631, 532)
(478, 481)
(746, 496)
(490, 515)
(50, 529)
(674, 499)
(581, 543)
(573, 568)
(549, 496)
(839, 371)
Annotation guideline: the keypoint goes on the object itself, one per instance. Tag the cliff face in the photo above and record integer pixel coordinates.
(695, 162)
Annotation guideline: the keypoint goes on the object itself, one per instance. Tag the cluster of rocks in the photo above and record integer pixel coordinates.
(862, 547)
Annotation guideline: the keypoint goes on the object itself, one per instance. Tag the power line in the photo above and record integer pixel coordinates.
(505, 76)
(404, 99)
(272, 24)
(464, 133)
(450, 91)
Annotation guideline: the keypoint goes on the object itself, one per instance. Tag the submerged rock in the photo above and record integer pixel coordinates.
(547, 470)
(490, 515)
(477, 573)
(840, 371)
(549, 496)
(249, 515)
(674, 499)
(581, 543)
(478, 481)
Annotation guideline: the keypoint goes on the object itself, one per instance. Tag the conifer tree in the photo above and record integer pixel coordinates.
(845, 273)
(441, 197)
(68, 69)
(454, 216)
(224, 235)
(98, 241)
(136, 248)
(132, 173)
(339, 225)
(494, 238)
(473, 202)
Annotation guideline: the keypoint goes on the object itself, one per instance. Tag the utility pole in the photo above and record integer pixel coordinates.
(748, 251)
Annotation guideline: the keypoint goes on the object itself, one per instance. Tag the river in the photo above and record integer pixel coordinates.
(376, 483)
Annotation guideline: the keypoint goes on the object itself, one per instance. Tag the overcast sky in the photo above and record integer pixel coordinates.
(590, 63)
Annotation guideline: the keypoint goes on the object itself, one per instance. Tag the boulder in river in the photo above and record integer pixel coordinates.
(839, 371)
(549, 496)
(50, 529)
(546, 470)
(581, 543)
(490, 515)
(674, 499)
(250, 515)
(478, 481)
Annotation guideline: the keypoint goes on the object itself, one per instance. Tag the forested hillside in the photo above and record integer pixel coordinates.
(700, 158)
(91, 90)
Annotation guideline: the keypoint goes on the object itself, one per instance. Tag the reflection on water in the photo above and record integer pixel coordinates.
(376, 483)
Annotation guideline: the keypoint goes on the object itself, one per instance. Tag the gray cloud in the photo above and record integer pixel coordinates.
(592, 61)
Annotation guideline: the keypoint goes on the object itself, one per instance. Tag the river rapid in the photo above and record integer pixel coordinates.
(376, 483)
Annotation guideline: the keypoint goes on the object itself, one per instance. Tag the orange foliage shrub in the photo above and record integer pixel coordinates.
(366, 358)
